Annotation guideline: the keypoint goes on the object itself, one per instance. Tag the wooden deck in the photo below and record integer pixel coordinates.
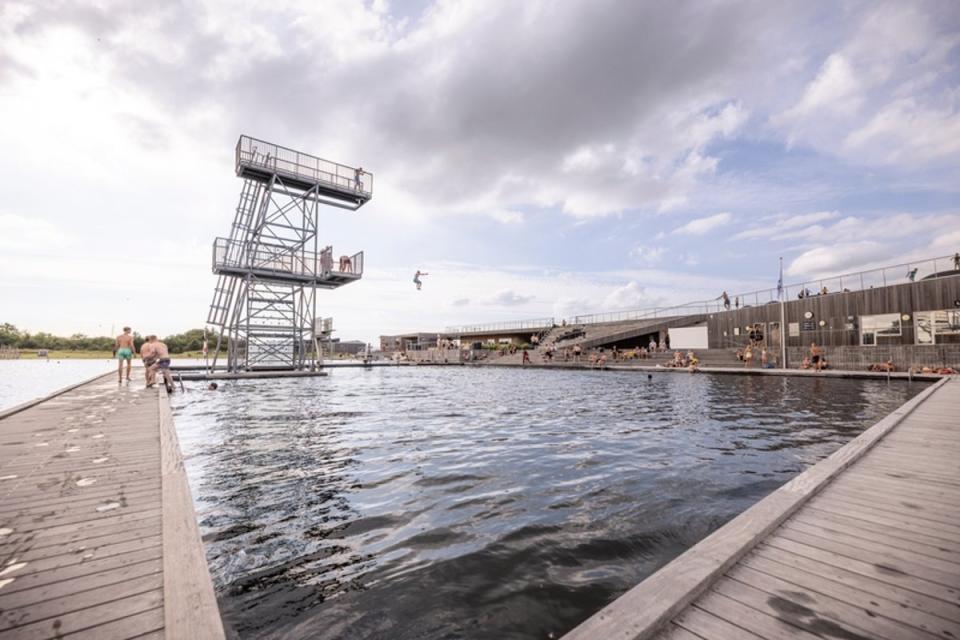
(864, 544)
(97, 530)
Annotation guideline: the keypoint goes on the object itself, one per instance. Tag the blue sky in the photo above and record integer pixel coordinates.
(537, 159)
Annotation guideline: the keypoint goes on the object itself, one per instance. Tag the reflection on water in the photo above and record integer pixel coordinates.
(496, 503)
(23, 380)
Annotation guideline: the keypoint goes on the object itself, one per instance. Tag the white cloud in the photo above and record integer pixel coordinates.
(836, 258)
(20, 232)
(701, 226)
(648, 255)
(783, 225)
(508, 298)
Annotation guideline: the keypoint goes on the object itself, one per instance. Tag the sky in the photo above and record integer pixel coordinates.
(537, 159)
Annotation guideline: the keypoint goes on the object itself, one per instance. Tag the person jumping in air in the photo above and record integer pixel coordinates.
(416, 278)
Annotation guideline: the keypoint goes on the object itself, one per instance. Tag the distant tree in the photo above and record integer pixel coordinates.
(10, 336)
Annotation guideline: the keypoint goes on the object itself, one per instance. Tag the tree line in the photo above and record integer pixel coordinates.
(10, 336)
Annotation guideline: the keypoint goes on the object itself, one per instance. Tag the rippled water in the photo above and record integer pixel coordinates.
(23, 380)
(484, 503)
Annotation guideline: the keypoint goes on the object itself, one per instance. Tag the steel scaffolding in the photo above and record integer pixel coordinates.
(271, 265)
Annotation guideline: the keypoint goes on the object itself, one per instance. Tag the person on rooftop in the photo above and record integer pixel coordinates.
(726, 300)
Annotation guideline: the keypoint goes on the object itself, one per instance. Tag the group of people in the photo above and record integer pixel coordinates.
(815, 359)
(749, 353)
(153, 352)
(681, 361)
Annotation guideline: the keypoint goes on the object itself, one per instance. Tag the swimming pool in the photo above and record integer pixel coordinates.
(424, 502)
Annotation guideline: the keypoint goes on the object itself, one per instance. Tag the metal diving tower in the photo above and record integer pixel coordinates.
(271, 265)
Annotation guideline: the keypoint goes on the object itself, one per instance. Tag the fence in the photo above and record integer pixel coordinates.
(233, 254)
(255, 153)
(856, 281)
(517, 325)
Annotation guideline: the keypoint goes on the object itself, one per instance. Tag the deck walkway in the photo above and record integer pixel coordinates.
(97, 530)
(864, 544)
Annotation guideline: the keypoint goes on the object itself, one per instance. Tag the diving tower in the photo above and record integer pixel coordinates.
(271, 265)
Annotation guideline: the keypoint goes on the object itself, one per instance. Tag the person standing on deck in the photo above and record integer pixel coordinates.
(816, 356)
(149, 359)
(956, 261)
(358, 179)
(124, 349)
(162, 354)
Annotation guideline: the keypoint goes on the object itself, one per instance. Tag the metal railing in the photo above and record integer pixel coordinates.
(256, 153)
(857, 281)
(517, 325)
(230, 254)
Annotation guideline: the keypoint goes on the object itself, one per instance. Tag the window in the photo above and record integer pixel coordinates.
(881, 326)
(937, 327)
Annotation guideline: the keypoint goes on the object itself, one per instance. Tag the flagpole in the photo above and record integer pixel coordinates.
(783, 322)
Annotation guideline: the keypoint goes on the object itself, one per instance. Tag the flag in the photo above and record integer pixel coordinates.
(780, 282)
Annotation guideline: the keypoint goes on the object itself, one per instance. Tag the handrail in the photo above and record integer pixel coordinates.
(856, 281)
(516, 325)
(260, 153)
(231, 254)
(902, 273)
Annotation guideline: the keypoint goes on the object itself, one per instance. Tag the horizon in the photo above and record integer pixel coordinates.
(536, 161)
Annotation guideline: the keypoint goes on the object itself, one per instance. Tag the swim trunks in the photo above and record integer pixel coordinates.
(163, 363)
(124, 353)
(149, 361)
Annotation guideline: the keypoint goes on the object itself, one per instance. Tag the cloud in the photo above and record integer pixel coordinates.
(508, 298)
(460, 302)
(701, 226)
(834, 259)
(20, 232)
(784, 225)
(648, 255)
(630, 296)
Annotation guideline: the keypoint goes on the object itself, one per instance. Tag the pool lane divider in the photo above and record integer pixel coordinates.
(641, 612)
(190, 604)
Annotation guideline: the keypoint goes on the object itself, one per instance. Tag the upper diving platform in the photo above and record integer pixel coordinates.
(272, 263)
(332, 183)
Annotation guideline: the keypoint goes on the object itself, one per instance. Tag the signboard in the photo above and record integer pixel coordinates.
(808, 325)
(794, 329)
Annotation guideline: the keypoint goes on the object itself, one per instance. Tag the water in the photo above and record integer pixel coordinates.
(24, 380)
(438, 503)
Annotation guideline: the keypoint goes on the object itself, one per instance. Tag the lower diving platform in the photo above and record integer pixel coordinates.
(284, 265)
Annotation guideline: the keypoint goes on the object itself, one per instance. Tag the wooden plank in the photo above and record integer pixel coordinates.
(883, 520)
(896, 532)
(898, 488)
(912, 510)
(814, 583)
(641, 611)
(798, 565)
(859, 535)
(946, 574)
(884, 572)
(673, 632)
(817, 613)
(89, 619)
(44, 610)
(706, 625)
(190, 604)
(752, 619)
(33, 580)
(78, 585)
(890, 512)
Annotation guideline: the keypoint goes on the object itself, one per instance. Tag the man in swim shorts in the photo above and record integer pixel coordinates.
(124, 349)
(162, 354)
(149, 360)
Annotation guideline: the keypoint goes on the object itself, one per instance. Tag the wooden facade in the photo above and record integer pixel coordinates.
(834, 319)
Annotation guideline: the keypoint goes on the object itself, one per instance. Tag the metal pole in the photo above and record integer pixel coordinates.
(783, 334)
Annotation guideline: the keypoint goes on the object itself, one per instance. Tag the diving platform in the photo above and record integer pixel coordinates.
(332, 183)
(271, 263)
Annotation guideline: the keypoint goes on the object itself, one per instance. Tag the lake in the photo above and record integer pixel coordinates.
(430, 503)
